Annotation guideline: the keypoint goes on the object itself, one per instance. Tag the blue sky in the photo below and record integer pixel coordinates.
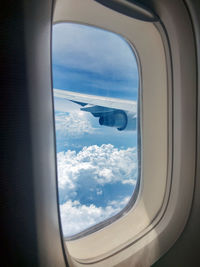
(91, 60)
(97, 165)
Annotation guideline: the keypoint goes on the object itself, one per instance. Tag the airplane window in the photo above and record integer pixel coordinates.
(96, 83)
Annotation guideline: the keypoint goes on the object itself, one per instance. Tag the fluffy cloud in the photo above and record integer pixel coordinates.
(129, 181)
(75, 124)
(101, 165)
(76, 217)
(91, 169)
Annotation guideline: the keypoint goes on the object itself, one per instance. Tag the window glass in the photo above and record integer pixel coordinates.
(95, 80)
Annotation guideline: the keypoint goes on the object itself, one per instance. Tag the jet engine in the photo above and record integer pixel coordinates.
(118, 119)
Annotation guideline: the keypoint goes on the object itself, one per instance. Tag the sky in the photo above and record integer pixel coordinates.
(97, 165)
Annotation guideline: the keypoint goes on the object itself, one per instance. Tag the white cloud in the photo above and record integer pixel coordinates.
(129, 181)
(92, 166)
(122, 203)
(76, 217)
(99, 192)
(101, 165)
(75, 123)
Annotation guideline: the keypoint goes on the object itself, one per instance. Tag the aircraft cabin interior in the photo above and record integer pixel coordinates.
(100, 133)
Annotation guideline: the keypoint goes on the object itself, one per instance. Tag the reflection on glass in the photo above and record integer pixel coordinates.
(95, 79)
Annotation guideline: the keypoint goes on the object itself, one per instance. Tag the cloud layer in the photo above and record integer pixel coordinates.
(74, 123)
(77, 217)
(88, 172)
(101, 164)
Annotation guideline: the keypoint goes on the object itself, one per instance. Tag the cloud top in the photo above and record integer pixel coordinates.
(83, 180)
(77, 217)
(101, 164)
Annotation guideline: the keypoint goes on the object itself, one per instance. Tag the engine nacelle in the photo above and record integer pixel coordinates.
(118, 119)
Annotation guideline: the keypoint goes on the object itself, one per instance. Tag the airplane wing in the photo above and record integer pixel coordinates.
(108, 102)
(112, 112)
